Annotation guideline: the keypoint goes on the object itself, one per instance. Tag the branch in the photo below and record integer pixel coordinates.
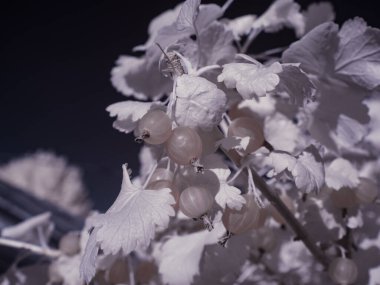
(290, 219)
(299, 230)
(48, 252)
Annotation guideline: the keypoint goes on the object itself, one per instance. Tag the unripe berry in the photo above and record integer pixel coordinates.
(119, 272)
(343, 271)
(344, 198)
(69, 243)
(155, 127)
(247, 127)
(145, 272)
(195, 201)
(367, 191)
(184, 146)
(243, 220)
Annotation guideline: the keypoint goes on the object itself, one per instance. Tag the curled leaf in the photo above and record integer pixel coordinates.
(199, 103)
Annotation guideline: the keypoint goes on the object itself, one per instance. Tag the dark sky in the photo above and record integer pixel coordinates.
(55, 66)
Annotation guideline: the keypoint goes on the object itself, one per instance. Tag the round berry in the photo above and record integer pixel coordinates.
(367, 191)
(343, 271)
(119, 272)
(155, 127)
(344, 198)
(247, 127)
(195, 201)
(243, 220)
(184, 146)
(69, 244)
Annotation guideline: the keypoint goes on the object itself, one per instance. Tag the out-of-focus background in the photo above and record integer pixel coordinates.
(56, 59)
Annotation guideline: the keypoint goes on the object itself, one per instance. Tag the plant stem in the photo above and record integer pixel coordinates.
(131, 271)
(296, 226)
(48, 252)
(252, 35)
(290, 219)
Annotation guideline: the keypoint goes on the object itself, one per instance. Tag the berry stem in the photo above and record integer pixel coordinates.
(142, 137)
(223, 240)
(207, 222)
(197, 166)
(131, 271)
(252, 35)
(154, 167)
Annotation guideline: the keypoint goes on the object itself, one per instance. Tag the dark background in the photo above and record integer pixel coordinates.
(55, 63)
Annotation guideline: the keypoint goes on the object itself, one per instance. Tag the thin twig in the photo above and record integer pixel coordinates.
(51, 253)
(131, 271)
(252, 35)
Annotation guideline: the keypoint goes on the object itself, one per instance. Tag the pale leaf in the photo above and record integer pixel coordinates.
(358, 55)
(192, 19)
(294, 85)
(351, 55)
(199, 103)
(341, 173)
(374, 125)
(127, 114)
(65, 268)
(251, 79)
(88, 264)
(207, 14)
(348, 133)
(237, 143)
(179, 257)
(306, 169)
(337, 100)
(315, 51)
(355, 220)
(281, 161)
(281, 13)
(187, 15)
(130, 223)
(318, 13)
(131, 74)
(227, 195)
(213, 46)
(156, 24)
(241, 26)
(308, 172)
(282, 133)
(261, 108)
